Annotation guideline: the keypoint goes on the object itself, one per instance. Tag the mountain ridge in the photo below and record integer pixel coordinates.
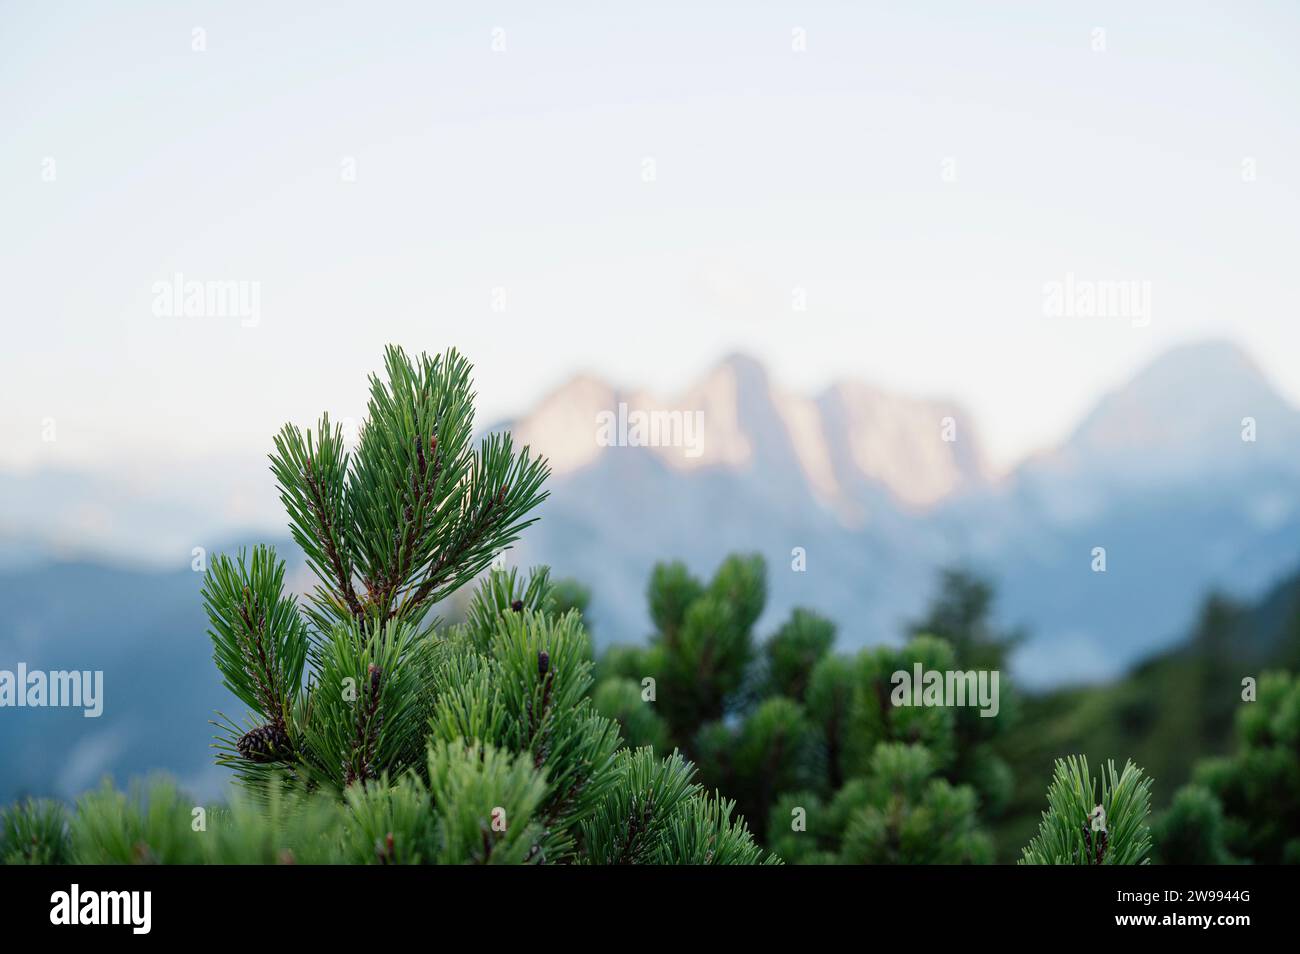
(851, 430)
(866, 420)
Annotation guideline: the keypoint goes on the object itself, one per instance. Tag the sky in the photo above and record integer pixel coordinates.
(879, 191)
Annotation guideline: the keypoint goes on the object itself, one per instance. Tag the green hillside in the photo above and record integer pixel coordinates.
(1168, 712)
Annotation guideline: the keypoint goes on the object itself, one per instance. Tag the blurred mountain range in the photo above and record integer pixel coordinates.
(95, 571)
(1157, 474)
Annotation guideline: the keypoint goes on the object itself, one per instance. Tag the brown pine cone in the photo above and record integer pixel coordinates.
(266, 743)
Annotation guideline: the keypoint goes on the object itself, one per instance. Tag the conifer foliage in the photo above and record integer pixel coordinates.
(374, 734)
(1081, 828)
(389, 530)
(1245, 806)
(806, 739)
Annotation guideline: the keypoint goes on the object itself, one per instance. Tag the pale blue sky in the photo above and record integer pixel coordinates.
(522, 170)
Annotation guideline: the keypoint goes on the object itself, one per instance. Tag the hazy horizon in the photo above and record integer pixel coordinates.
(128, 462)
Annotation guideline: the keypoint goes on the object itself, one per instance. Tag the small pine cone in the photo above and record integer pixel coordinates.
(266, 743)
(543, 663)
(517, 606)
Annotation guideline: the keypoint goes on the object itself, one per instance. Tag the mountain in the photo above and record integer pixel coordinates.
(848, 476)
(1179, 421)
(1158, 474)
(145, 632)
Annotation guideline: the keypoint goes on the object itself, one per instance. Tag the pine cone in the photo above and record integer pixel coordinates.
(266, 743)
(517, 606)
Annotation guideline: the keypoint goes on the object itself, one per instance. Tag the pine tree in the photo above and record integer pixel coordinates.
(961, 614)
(896, 812)
(1246, 805)
(806, 740)
(1191, 831)
(374, 734)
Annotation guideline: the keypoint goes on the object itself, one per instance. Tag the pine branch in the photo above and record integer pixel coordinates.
(310, 475)
(1077, 829)
(34, 832)
(259, 641)
(360, 767)
(633, 823)
(368, 705)
(326, 522)
(501, 489)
